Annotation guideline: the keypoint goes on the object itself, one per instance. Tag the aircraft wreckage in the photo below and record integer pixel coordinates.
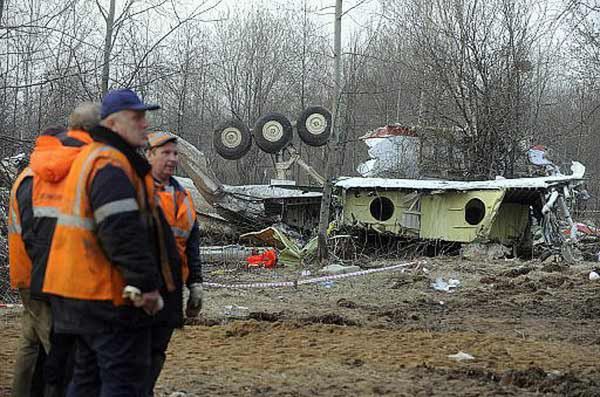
(499, 210)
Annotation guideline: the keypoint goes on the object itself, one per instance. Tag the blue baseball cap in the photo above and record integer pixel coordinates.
(123, 99)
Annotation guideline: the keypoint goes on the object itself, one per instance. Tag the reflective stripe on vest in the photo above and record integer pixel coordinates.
(76, 221)
(180, 232)
(45, 212)
(15, 225)
(115, 207)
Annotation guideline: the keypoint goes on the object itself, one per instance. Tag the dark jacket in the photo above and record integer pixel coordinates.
(129, 242)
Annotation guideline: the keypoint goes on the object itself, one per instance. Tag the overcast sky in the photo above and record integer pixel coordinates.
(358, 13)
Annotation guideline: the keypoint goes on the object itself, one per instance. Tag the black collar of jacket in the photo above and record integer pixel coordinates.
(172, 182)
(108, 136)
(176, 185)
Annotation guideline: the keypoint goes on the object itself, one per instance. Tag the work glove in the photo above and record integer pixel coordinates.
(194, 303)
(151, 302)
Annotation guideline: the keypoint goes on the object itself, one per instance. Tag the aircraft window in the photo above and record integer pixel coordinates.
(382, 208)
(474, 211)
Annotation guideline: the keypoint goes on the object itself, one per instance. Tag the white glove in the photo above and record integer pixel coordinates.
(151, 302)
(194, 303)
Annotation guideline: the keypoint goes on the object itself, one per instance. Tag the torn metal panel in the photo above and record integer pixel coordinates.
(291, 251)
(393, 151)
(193, 161)
(253, 205)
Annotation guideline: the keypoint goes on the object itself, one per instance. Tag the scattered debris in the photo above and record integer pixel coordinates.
(235, 311)
(441, 285)
(292, 248)
(339, 269)
(229, 253)
(550, 258)
(267, 259)
(461, 356)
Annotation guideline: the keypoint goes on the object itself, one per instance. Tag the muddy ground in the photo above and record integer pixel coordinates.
(532, 328)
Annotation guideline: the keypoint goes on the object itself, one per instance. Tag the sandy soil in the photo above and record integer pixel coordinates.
(531, 328)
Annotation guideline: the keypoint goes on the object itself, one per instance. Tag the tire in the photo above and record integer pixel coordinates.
(314, 125)
(272, 132)
(232, 140)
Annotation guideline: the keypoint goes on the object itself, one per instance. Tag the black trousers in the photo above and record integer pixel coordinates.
(113, 364)
(58, 369)
(160, 336)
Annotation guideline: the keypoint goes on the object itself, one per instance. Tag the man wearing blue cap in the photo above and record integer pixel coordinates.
(105, 265)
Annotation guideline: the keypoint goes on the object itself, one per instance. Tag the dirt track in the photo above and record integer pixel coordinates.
(532, 328)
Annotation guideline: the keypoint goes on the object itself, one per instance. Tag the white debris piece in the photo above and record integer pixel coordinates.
(461, 356)
(235, 311)
(391, 154)
(441, 285)
(339, 269)
(594, 276)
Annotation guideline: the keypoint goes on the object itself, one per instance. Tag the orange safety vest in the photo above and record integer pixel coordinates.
(178, 209)
(50, 162)
(18, 259)
(77, 266)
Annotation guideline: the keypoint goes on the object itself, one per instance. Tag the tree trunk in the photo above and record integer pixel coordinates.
(110, 19)
(323, 251)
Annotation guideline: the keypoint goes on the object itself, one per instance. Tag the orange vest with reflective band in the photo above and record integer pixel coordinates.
(18, 259)
(77, 266)
(178, 209)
